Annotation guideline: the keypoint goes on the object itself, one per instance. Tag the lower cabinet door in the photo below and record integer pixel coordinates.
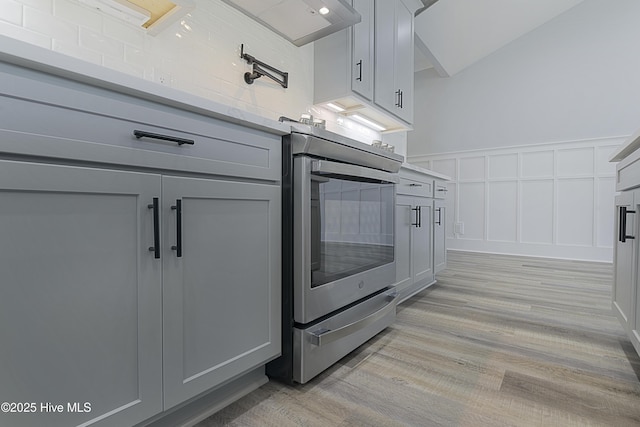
(405, 216)
(439, 236)
(80, 300)
(422, 242)
(221, 282)
(625, 260)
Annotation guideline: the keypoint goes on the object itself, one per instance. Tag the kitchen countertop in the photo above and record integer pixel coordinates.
(34, 57)
(629, 146)
(419, 169)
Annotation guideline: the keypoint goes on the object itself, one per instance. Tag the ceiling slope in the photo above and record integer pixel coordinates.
(453, 34)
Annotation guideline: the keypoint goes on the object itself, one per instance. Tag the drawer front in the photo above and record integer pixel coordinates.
(440, 189)
(628, 174)
(83, 121)
(415, 188)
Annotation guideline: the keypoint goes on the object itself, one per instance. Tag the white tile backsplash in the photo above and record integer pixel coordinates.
(200, 54)
(11, 11)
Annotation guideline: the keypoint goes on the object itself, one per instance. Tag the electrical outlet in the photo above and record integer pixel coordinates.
(459, 228)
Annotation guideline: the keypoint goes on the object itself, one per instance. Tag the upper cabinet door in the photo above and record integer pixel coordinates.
(362, 58)
(394, 58)
(80, 298)
(404, 61)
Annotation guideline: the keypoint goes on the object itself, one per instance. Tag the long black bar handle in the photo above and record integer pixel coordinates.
(180, 141)
(156, 228)
(623, 224)
(359, 64)
(417, 223)
(401, 99)
(178, 246)
(397, 98)
(439, 221)
(420, 216)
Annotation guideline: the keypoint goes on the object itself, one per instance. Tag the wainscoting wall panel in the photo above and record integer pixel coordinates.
(551, 200)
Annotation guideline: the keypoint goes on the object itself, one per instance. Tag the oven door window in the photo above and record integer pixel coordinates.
(352, 227)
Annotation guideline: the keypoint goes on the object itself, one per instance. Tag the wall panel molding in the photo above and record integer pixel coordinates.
(552, 200)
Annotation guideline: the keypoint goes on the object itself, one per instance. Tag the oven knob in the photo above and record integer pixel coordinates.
(361, 284)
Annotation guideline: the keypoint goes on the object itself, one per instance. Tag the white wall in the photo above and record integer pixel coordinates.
(199, 55)
(525, 134)
(549, 200)
(576, 77)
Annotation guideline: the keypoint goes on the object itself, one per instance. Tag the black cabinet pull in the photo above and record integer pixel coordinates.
(156, 228)
(622, 229)
(417, 223)
(181, 141)
(401, 99)
(359, 64)
(419, 216)
(178, 246)
(397, 98)
(439, 221)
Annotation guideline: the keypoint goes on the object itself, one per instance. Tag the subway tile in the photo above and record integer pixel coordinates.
(78, 14)
(45, 6)
(27, 36)
(100, 43)
(47, 24)
(77, 52)
(118, 64)
(11, 11)
(124, 32)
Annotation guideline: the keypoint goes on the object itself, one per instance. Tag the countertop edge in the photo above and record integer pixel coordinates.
(424, 171)
(30, 56)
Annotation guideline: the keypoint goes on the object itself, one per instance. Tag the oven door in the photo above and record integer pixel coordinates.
(343, 235)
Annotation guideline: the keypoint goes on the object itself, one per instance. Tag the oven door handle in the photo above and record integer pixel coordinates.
(325, 336)
(352, 172)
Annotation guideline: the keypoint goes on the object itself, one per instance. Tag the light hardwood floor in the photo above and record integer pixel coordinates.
(498, 341)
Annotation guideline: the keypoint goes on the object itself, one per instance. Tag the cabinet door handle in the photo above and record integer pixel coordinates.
(181, 141)
(401, 99)
(419, 216)
(397, 98)
(417, 223)
(622, 231)
(359, 64)
(439, 221)
(156, 228)
(178, 246)
(415, 185)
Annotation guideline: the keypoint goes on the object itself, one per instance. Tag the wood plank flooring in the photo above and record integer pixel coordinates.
(498, 341)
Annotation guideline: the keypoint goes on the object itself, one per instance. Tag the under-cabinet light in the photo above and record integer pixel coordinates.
(323, 10)
(121, 9)
(335, 107)
(152, 15)
(368, 122)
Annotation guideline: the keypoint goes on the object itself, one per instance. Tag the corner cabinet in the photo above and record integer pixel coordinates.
(143, 273)
(420, 237)
(369, 68)
(626, 256)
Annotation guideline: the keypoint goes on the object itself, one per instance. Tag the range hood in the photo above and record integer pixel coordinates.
(299, 21)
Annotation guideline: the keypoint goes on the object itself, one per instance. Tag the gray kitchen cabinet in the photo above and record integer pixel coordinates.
(625, 293)
(394, 58)
(439, 236)
(420, 229)
(96, 305)
(414, 234)
(81, 300)
(221, 288)
(358, 68)
(362, 57)
(625, 260)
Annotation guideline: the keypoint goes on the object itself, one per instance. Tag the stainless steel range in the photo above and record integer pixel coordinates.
(338, 249)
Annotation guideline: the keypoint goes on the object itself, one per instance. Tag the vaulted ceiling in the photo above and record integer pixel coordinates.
(453, 34)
